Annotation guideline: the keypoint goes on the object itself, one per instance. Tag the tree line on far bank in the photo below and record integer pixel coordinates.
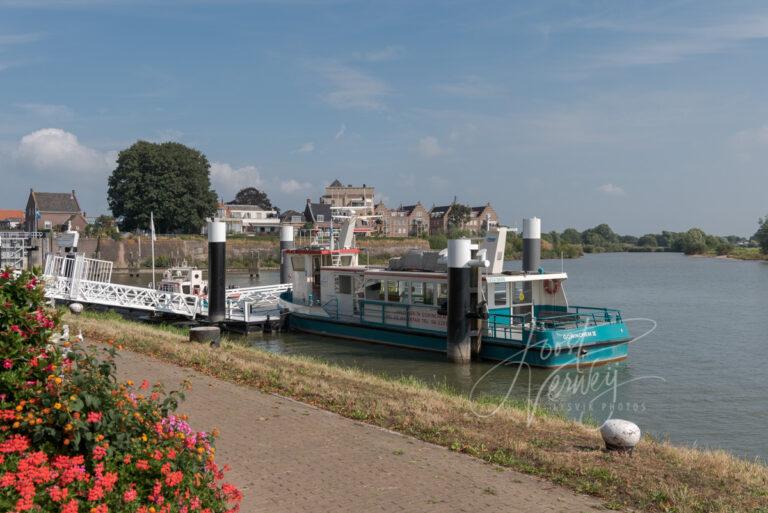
(572, 243)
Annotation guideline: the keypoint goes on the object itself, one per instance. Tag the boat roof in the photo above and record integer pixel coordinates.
(493, 278)
(323, 251)
(522, 276)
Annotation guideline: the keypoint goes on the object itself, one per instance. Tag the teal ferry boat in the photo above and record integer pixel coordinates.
(524, 316)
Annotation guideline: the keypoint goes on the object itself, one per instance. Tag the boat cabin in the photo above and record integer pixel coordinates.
(184, 280)
(332, 283)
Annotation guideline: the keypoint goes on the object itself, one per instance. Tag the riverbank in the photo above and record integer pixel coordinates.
(658, 477)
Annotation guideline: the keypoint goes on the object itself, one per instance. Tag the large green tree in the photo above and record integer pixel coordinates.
(169, 179)
(762, 235)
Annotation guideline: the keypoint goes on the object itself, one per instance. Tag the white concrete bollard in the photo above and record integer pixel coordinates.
(75, 308)
(620, 435)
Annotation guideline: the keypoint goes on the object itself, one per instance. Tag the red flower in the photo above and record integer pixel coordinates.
(70, 507)
(15, 443)
(94, 417)
(99, 452)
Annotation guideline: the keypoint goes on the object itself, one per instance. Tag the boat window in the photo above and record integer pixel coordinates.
(393, 292)
(373, 290)
(517, 289)
(344, 284)
(297, 262)
(442, 293)
(500, 294)
(417, 292)
(403, 288)
(346, 260)
(185, 289)
(327, 260)
(429, 293)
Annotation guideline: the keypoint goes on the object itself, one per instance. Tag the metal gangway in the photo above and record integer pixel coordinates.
(75, 278)
(14, 247)
(252, 304)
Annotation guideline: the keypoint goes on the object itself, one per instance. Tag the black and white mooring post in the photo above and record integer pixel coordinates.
(460, 312)
(531, 245)
(286, 242)
(459, 344)
(217, 270)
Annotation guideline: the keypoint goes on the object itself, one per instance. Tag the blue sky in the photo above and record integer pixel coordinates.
(647, 116)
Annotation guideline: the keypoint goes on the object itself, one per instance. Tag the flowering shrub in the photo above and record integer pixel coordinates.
(73, 440)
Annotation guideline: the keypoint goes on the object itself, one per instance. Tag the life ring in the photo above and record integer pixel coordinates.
(551, 286)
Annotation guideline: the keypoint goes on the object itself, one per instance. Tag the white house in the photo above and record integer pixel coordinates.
(249, 219)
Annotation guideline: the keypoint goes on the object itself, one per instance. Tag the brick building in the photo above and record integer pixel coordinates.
(53, 210)
(403, 221)
(479, 218)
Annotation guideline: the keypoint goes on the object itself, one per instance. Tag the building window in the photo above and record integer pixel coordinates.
(320, 218)
(295, 219)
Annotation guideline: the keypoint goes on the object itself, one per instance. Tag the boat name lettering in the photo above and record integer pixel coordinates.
(583, 334)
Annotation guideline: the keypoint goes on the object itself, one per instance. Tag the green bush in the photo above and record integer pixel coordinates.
(73, 439)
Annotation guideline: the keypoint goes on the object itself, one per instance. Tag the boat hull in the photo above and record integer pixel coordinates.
(550, 349)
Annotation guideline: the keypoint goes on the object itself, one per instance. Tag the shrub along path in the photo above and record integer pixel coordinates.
(287, 456)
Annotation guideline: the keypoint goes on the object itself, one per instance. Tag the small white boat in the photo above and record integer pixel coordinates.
(184, 280)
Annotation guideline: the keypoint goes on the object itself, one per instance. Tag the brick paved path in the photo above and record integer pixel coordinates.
(290, 457)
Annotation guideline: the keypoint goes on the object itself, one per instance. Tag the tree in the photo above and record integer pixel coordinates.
(694, 242)
(762, 235)
(571, 236)
(648, 240)
(458, 215)
(169, 179)
(252, 196)
(102, 226)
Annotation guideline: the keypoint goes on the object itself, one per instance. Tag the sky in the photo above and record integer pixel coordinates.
(643, 115)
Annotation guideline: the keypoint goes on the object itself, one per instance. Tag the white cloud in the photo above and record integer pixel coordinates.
(471, 87)
(227, 180)
(430, 147)
(341, 132)
(19, 39)
(307, 147)
(388, 53)
(293, 186)
(669, 44)
(611, 190)
(46, 110)
(55, 149)
(353, 89)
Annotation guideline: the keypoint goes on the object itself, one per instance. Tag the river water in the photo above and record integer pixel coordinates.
(699, 378)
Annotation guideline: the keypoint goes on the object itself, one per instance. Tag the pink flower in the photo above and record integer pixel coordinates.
(130, 495)
(7, 364)
(94, 417)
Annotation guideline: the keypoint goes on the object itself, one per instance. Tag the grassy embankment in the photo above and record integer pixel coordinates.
(658, 477)
(747, 254)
